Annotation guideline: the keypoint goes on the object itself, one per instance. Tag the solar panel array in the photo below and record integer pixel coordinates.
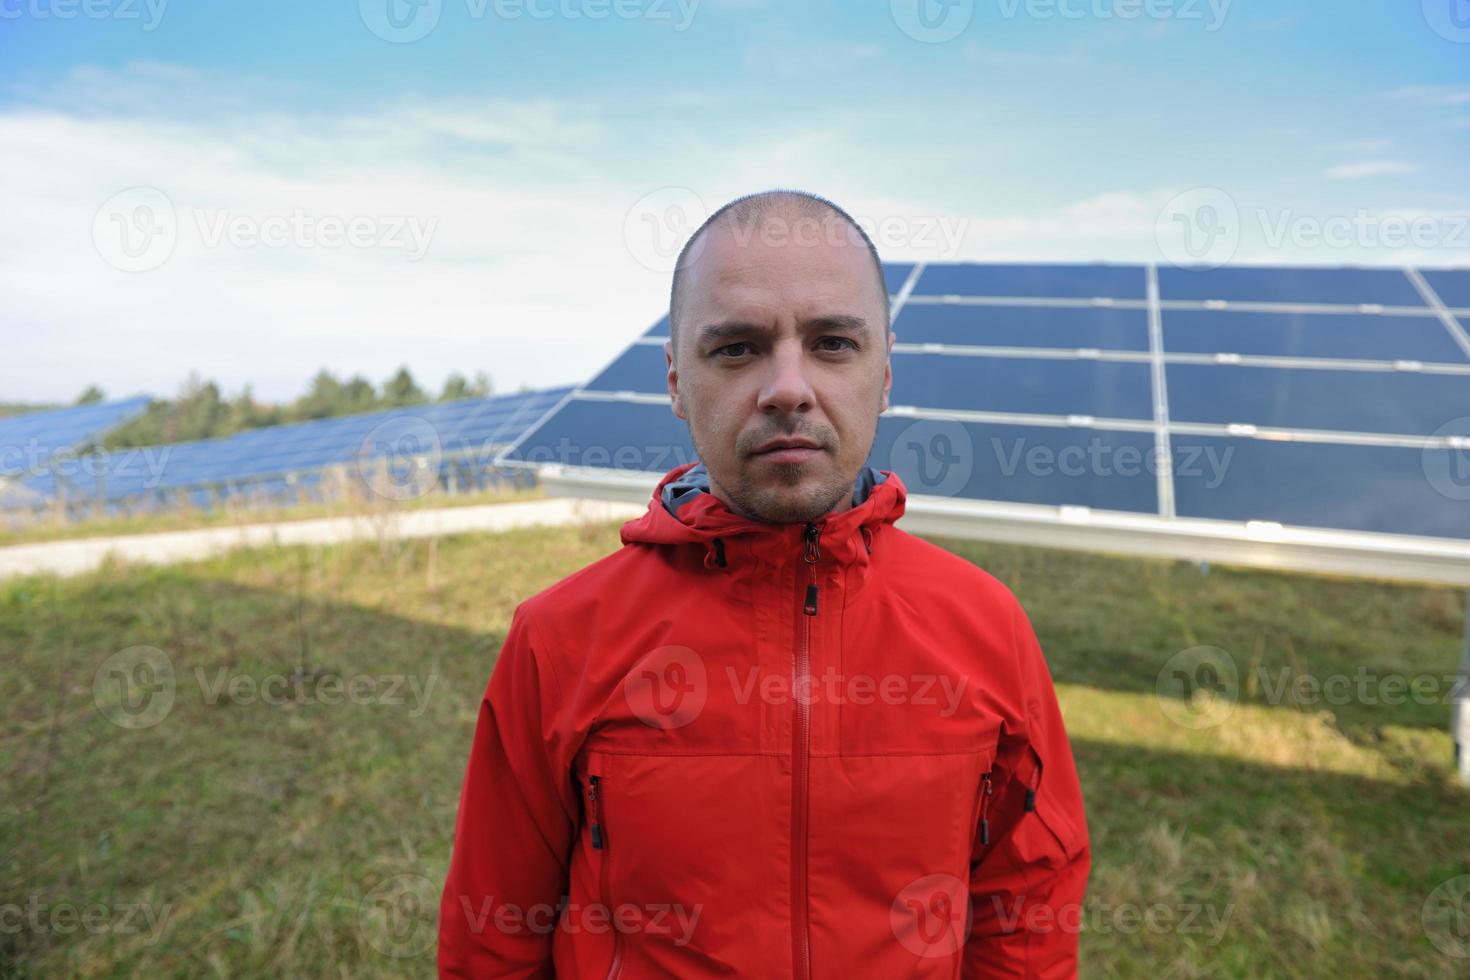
(1314, 397)
(283, 458)
(29, 440)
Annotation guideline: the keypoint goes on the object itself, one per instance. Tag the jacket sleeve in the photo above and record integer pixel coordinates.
(516, 825)
(1027, 883)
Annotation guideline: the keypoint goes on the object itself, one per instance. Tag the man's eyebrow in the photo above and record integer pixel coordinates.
(730, 330)
(739, 329)
(837, 321)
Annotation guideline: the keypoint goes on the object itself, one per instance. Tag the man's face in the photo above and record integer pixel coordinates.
(781, 337)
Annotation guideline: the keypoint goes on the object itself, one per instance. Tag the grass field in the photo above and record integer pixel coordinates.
(240, 836)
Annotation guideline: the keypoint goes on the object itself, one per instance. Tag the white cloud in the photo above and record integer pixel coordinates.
(1434, 95)
(528, 274)
(1371, 168)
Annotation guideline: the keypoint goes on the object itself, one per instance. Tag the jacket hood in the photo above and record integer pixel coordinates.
(683, 511)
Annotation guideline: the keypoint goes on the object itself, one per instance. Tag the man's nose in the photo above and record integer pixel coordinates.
(787, 388)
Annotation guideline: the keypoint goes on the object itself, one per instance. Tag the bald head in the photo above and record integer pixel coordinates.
(781, 218)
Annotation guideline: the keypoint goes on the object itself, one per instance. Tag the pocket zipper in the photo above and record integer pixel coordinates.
(595, 825)
(985, 807)
(596, 822)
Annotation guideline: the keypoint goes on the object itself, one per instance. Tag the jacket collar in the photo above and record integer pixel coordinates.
(683, 511)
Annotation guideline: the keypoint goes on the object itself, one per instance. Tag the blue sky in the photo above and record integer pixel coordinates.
(521, 171)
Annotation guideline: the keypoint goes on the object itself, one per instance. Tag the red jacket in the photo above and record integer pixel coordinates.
(653, 792)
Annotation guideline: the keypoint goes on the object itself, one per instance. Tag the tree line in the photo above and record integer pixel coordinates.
(201, 411)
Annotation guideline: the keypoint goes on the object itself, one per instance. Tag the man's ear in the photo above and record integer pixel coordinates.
(888, 371)
(673, 380)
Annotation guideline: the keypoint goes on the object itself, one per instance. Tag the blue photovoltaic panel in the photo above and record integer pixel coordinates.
(1019, 463)
(1246, 284)
(1025, 385)
(29, 439)
(1298, 481)
(1398, 402)
(1034, 281)
(1337, 335)
(1027, 464)
(1356, 488)
(895, 274)
(609, 434)
(1452, 286)
(478, 427)
(641, 368)
(1023, 326)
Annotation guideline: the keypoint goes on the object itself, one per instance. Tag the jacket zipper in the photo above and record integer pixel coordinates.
(599, 842)
(800, 764)
(986, 790)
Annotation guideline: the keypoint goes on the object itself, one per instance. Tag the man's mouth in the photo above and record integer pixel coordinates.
(788, 450)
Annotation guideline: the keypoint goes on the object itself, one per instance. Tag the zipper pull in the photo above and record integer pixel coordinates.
(811, 600)
(596, 823)
(812, 534)
(984, 810)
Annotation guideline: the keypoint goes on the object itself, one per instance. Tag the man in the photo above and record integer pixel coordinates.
(773, 735)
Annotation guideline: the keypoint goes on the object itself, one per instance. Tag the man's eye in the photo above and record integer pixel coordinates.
(732, 349)
(837, 340)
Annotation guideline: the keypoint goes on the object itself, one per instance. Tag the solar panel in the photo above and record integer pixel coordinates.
(641, 368)
(1357, 488)
(1022, 385)
(1036, 281)
(895, 274)
(291, 456)
(1317, 398)
(621, 435)
(1292, 286)
(1018, 463)
(1351, 336)
(1405, 403)
(1022, 326)
(1451, 285)
(28, 440)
